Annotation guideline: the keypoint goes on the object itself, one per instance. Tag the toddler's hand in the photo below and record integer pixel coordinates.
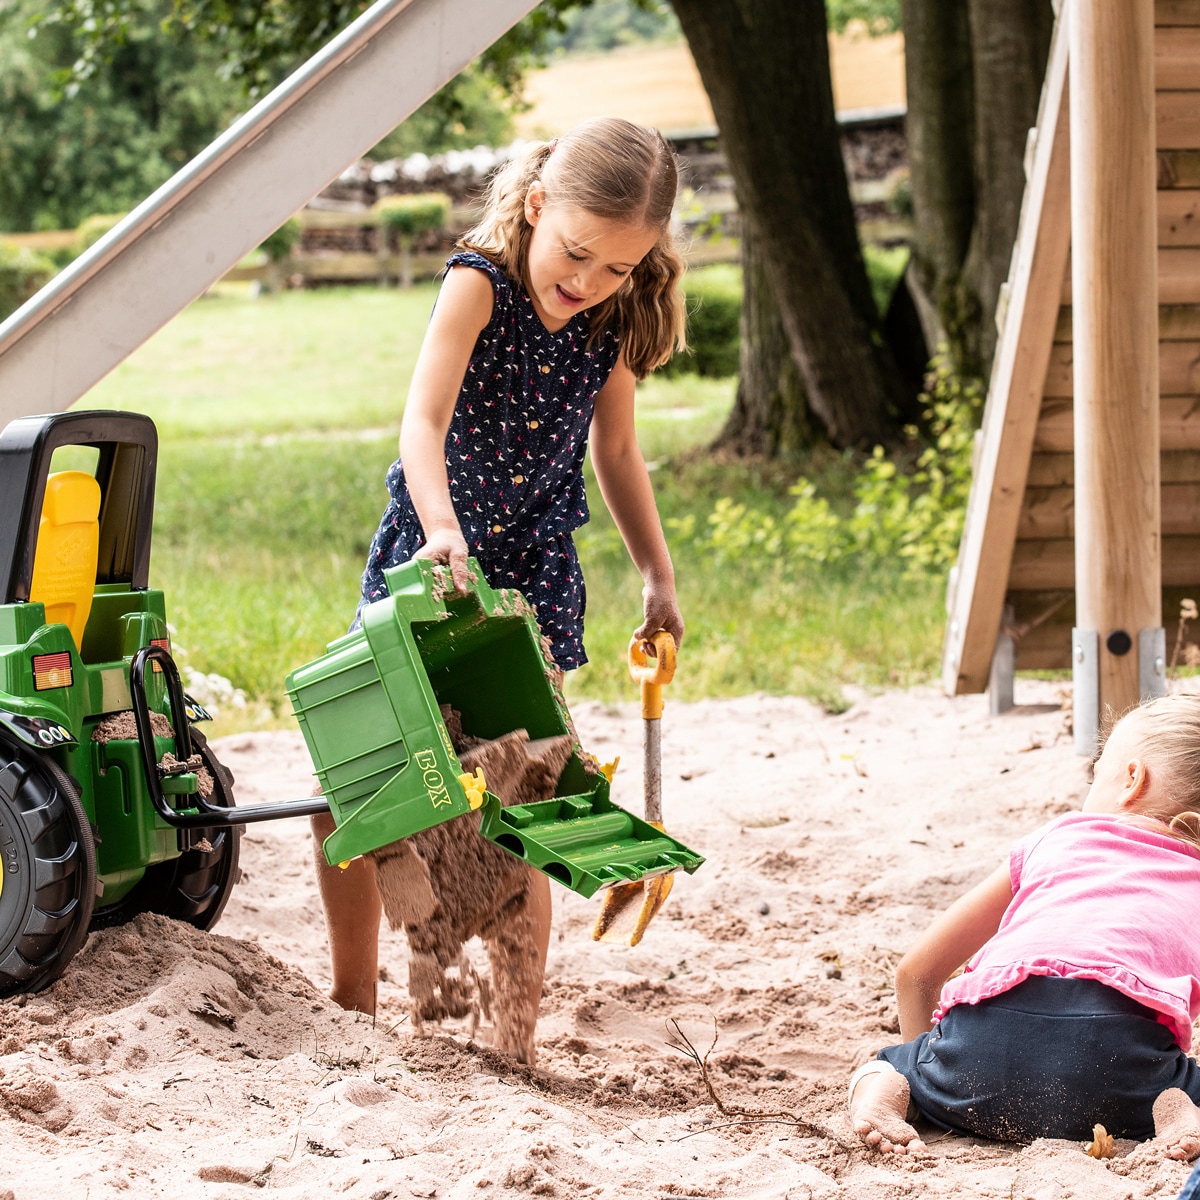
(449, 547)
(661, 610)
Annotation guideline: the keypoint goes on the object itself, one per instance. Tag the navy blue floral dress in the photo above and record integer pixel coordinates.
(514, 457)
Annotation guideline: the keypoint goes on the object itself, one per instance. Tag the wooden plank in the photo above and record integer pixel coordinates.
(1179, 212)
(1178, 276)
(1178, 369)
(1177, 58)
(1176, 322)
(1179, 425)
(1049, 512)
(1048, 470)
(979, 579)
(1046, 646)
(1177, 120)
(1177, 12)
(1050, 563)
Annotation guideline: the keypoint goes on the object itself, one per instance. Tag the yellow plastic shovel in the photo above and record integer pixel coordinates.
(629, 907)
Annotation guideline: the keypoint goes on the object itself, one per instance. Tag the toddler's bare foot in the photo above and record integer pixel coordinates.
(878, 1106)
(1177, 1126)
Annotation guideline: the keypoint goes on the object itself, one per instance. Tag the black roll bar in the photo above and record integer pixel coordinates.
(201, 814)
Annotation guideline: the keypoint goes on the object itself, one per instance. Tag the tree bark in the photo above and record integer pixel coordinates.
(770, 413)
(1010, 42)
(940, 130)
(765, 66)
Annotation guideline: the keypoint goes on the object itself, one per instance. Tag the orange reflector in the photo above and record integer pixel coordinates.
(162, 644)
(52, 671)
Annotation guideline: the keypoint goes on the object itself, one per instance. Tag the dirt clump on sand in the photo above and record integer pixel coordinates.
(448, 884)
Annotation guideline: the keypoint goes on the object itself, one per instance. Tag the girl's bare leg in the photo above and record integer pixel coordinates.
(352, 911)
(1177, 1125)
(878, 1107)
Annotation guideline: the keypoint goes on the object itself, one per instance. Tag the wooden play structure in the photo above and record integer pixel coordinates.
(1083, 527)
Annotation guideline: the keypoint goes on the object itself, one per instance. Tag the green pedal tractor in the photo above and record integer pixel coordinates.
(113, 804)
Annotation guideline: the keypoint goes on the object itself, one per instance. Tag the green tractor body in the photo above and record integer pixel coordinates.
(111, 804)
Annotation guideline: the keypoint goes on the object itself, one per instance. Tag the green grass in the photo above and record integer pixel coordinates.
(278, 418)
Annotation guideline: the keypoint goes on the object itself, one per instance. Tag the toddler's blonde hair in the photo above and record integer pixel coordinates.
(1168, 732)
(618, 171)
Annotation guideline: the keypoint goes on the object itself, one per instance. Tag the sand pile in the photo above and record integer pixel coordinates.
(172, 1063)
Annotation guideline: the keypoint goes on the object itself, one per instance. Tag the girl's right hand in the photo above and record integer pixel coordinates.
(449, 547)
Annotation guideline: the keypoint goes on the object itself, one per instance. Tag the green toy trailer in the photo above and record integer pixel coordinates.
(112, 804)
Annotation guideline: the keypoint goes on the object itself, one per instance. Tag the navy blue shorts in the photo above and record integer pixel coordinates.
(549, 576)
(1191, 1189)
(1049, 1058)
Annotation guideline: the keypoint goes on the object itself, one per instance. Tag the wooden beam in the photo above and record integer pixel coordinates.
(1179, 210)
(1177, 120)
(1178, 276)
(1176, 322)
(1177, 12)
(1177, 58)
(1178, 369)
(1047, 563)
(1179, 424)
(1049, 512)
(1118, 564)
(978, 582)
(1056, 469)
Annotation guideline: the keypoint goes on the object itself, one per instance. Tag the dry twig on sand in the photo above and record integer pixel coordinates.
(680, 1042)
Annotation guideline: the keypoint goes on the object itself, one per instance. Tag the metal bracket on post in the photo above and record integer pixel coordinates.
(1000, 677)
(1085, 676)
(1152, 663)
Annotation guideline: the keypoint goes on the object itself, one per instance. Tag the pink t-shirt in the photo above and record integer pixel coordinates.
(1098, 896)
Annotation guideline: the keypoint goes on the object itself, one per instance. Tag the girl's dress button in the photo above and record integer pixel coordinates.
(518, 479)
(497, 528)
(533, 424)
(545, 370)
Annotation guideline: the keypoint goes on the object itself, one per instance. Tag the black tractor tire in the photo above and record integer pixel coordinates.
(195, 887)
(47, 870)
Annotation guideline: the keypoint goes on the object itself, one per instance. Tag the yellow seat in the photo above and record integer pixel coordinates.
(68, 546)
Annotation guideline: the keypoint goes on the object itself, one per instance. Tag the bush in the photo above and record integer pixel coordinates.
(411, 216)
(714, 304)
(278, 245)
(913, 521)
(22, 272)
(91, 229)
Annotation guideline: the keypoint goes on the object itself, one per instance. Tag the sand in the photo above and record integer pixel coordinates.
(169, 1063)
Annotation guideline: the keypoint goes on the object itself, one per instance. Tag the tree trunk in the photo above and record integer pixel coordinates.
(940, 128)
(1010, 42)
(770, 414)
(765, 66)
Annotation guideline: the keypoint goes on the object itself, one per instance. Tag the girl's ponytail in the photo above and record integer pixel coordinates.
(502, 233)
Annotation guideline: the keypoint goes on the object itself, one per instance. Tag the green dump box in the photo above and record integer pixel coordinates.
(370, 711)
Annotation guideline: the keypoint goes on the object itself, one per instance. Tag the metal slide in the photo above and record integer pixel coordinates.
(214, 211)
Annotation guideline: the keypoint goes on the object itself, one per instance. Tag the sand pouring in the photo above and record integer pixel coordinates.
(629, 907)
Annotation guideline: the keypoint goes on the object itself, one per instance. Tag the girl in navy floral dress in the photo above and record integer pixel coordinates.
(559, 300)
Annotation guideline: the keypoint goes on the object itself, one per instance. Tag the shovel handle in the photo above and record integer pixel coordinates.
(652, 671)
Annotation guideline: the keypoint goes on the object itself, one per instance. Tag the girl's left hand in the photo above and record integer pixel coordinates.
(661, 610)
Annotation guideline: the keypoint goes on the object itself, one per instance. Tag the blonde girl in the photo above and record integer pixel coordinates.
(561, 298)
(1083, 980)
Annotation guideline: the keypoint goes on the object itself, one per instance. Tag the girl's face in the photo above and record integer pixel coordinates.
(577, 260)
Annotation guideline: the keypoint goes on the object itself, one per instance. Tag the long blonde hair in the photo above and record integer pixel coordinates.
(618, 171)
(1168, 732)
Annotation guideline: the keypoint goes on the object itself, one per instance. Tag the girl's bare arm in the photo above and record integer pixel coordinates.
(625, 484)
(948, 943)
(464, 307)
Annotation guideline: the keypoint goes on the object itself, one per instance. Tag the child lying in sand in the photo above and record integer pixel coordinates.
(1076, 1006)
